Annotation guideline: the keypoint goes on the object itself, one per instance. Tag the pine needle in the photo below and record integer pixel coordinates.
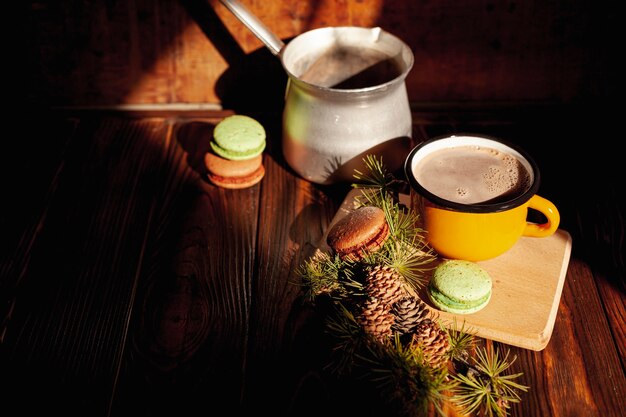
(394, 367)
(485, 388)
(403, 375)
(412, 261)
(327, 274)
(406, 249)
(376, 175)
(349, 337)
(461, 341)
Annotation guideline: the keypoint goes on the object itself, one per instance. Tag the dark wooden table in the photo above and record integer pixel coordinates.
(131, 286)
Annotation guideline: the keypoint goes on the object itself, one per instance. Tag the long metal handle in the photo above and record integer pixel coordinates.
(273, 43)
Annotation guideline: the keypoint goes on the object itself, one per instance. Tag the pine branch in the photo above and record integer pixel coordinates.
(490, 363)
(350, 340)
(403, 376)
(406, 249)
(484, 388)
(412, 261)
(327, 274)
(376, 175)
(395, 367)
(462, 341)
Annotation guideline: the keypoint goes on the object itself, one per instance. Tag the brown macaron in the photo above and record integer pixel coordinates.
(362, 231)
(237, 174)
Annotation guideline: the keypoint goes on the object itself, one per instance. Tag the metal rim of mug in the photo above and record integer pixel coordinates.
(478, 207)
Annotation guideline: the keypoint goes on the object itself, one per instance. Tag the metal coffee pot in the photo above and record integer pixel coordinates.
(345, 98)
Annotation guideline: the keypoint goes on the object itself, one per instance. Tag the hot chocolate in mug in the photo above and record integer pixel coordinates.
(473, 194)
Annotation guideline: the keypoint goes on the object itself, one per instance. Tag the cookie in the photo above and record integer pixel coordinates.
(238, 137)
(236, 174)
(460, 287)
(361, 231)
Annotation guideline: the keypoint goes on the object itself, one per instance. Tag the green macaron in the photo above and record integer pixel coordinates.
(238, 137)
(460, 287)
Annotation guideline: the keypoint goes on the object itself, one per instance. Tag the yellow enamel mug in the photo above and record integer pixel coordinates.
(472, 205)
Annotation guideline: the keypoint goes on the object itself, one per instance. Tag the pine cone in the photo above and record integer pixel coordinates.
(385, 284)
(410, 312)
(433, 341)
(377, 319)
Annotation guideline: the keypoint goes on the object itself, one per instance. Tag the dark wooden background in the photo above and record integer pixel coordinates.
(108, 52)
(131, 286)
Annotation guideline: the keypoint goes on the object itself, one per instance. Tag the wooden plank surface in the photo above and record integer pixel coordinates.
(195, 51)
(68, 326)
(191, 318)
(131, 285)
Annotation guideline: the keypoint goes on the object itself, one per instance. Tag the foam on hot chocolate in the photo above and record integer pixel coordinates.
(472, 174)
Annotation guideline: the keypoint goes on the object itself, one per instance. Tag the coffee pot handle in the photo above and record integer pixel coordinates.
(258, 28)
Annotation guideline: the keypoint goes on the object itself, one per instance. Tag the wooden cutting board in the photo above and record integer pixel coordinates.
(527, 284)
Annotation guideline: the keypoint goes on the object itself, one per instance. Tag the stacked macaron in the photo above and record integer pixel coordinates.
(235, 159)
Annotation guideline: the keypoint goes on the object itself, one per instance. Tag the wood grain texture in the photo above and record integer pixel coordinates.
(527, 285)
(25, 209)
(293, 216)
(135, 286)
(191, 321)
(195, 51)
(72, 315)
(583, 377)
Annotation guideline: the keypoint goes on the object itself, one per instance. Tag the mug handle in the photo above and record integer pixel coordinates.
(548, 209)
